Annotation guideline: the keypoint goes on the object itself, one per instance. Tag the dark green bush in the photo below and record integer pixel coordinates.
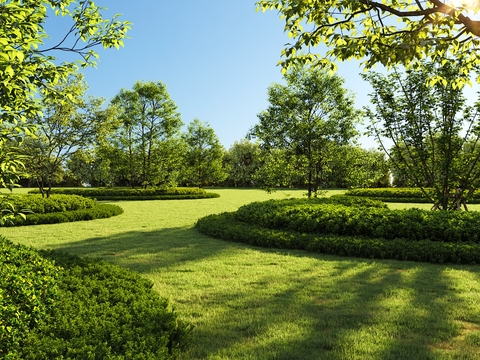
(105, 312)
(27, 291)
(55, 203)
(337, 219)
(135, 194)
(227, 227)
(100, 211)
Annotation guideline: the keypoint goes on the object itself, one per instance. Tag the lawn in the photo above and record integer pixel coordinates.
(254, 303)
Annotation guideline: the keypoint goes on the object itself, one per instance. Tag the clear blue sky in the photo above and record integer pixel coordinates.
(217, 58)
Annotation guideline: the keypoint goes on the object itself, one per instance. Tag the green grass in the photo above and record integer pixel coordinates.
(254, 303)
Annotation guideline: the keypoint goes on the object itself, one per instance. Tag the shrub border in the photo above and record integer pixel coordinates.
(224, 226)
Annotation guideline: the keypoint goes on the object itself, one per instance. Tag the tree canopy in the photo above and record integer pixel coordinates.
(388, 32)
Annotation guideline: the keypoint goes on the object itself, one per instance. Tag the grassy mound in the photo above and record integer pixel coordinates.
(58, 209)
(371, 231)
(136, 194)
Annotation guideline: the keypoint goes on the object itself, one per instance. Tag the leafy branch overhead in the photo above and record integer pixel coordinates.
(388, 32)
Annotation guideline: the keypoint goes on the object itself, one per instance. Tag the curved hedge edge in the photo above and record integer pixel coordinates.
(225, 227)
(101, 211)
(157, 197)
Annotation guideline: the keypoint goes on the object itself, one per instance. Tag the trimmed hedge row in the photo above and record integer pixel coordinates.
(106, 312)
(411, 224)
(135, 194)
(226, 227)
(401, 195)
(101, 211)
(27, 290)
(55, 203)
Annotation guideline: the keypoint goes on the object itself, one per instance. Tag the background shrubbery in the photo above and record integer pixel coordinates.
(327, 226)
(85, 309)
(135, 194)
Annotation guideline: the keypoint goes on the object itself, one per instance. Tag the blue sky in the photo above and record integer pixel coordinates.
(217, 58)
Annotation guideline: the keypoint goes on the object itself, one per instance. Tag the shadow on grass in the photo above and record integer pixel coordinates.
(328, 308)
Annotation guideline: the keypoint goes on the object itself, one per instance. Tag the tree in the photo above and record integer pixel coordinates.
(389, 32)
(150, 124)
(309, 118)
(243, 159)
(204, 155)
(429, 133)
(64, 128)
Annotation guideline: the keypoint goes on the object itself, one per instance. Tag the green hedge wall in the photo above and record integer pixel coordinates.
(135, 194)
(55, 203)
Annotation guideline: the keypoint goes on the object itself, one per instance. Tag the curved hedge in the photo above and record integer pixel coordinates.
(363, 231)
(55, 203)
(400, 195)
(105, 312)
(135, 194)
(27, 290)
(101, 211)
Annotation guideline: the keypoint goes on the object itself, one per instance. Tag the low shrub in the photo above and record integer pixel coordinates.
(27, 291)
(135, 194)
(401, 195)
(226, 226)
(100, 211)
(55, 203)
(105, 312)
(369, 221)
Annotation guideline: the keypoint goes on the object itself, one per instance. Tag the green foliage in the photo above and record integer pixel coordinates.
(136, 194)
(389, 32)
(204, 156)
(345, 226)
(27, 291)
(147, 143)
(58, 203)
(308, 119)
(105, 312)
(434, 135)
(243, 160)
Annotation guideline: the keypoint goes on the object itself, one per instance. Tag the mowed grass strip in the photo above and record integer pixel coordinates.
(254, 303)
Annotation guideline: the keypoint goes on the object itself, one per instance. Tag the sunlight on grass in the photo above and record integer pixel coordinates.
(254, 303)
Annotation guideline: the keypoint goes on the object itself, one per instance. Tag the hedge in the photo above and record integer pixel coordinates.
(337, 219)
(100, 211)
(226, 227)
(55, 203)
(135, 194)
(401, 195)
(27, 290)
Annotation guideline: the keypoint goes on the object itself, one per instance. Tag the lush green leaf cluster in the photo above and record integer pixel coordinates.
(101, 211)
(27, 290)
(135, 194)
(327, 226)
(57, 203)
(401, 195)
(105, 312)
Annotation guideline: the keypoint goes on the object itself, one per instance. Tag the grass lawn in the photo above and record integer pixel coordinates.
(255, 303)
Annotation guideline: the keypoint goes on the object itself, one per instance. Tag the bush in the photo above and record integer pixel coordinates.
(226, 226)
(135, 194)
(101, 211)
(55, 203)
(27, 291)
(105, 312)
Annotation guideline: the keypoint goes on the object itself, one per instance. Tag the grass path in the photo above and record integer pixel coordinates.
(254, 303)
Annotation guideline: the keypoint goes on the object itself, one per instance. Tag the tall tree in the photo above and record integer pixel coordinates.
(430, 134)
(309, 118)
(389, 32)
(204, 155)
(64, 128)
(243, 158)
